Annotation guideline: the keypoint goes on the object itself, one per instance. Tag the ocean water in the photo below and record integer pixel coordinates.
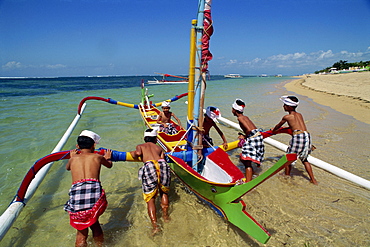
(35, 113)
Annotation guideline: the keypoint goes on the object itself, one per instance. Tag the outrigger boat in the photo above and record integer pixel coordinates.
(208, 172)
(181, 79)
(217, 181)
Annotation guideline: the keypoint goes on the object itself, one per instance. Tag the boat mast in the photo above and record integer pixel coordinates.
(195, 107)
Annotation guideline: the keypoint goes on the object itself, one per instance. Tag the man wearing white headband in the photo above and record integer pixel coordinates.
(166, 124)
(290, 100)
(92, 135)
(211, 114)
(166, 104)
(155, 176)
(87, 199)
(238, 105)
(253, 148)
(301, 139)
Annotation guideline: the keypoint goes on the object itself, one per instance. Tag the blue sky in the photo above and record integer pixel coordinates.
(42, 38)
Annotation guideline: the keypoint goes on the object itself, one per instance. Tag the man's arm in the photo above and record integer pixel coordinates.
(162, 154)
(106, 160)
(281, 123)
(219, 131)
(137, 153)
(72, 153)
(159, 120)
(178, 120)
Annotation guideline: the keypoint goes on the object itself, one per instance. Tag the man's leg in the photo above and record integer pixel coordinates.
(153, 215)
(98, 234)
(164, 206)
(248, 170)
(81, 237)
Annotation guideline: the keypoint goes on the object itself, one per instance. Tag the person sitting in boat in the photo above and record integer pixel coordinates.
(164, 120)
(301, 140)
(211, 114)
(155, 176)
(87, 200)
(253, 148)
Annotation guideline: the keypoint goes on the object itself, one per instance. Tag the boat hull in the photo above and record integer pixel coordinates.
(225, 198)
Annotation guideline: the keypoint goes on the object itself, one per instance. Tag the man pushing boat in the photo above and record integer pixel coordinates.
(253, 148)
(87, 200)
(301, 140)
(155, 176)
(211, 114)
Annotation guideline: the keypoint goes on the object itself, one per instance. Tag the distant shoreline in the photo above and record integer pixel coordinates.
(346, 93)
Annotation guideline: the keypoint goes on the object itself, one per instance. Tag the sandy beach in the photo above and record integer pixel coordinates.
(346, 93)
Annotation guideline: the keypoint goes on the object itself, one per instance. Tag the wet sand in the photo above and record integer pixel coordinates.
(346, 93)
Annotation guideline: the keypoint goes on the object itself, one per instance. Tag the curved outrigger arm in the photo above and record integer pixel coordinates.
(115, 102)
(62, 155)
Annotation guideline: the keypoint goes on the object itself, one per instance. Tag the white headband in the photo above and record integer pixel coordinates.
(238, 107)
(91, 134)
(288, 101)
(213, 114)
(152, 133)
(165, 104)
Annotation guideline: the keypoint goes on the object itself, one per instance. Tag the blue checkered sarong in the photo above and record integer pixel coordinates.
(169, 130)
(253, 148)
(83, 195)
(300, 144)
(148, 175)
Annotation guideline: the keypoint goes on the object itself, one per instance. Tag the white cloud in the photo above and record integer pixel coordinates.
(299, 61)
(12, 65)
(56, 66)
(232, 61)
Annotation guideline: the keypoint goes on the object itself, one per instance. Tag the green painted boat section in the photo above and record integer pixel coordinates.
(226, 197)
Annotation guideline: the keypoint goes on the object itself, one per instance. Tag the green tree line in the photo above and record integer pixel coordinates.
(344, 65)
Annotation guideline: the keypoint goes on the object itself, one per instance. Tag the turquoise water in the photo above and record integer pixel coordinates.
(35, 113)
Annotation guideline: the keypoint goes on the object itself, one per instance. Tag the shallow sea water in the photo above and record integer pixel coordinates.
(295, 212)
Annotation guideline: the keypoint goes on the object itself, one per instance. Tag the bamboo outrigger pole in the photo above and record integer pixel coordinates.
(11, 213)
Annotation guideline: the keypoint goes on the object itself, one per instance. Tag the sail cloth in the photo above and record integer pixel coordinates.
(208, 31)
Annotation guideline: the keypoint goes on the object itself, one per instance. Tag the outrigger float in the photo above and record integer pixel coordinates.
(179, 80)
(208, 172)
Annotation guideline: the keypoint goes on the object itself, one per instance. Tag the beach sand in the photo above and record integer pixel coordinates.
(346, 93)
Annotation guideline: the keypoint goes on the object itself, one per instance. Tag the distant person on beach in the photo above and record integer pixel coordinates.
(164, 119)
(253, 148)
(211, 114)
(87, 200)
(301, 140)
(155, 176)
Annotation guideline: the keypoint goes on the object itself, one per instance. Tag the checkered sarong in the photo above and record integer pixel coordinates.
(148, 174)
(83, 195)
(301, 145)
(253, 148)
(169, 130)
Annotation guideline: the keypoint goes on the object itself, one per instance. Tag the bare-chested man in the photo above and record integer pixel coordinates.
(155, 176)
(164, 119)
(211, 114)
(253, 148)
(87, 200)
(301, 140)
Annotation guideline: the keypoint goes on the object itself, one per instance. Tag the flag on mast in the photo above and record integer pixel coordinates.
(208, 31)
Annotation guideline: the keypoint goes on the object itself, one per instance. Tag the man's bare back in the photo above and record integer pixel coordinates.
(246, 124)
(294, 120)
(87, 164)
(149, 151)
